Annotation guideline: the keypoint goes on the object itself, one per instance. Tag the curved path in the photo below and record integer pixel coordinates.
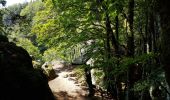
(64, 86)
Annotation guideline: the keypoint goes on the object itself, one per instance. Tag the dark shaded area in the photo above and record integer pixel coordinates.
(89, 82)
(52, 75)
(19, 80)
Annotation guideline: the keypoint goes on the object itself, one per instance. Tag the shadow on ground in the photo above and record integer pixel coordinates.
(63, 95)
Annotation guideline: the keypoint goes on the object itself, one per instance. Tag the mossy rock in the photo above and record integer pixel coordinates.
(49, 71)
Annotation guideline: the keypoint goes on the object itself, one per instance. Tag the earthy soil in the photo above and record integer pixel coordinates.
(66, 87)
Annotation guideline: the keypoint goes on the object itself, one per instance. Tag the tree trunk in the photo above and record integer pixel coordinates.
(130, 53)
(111, 34)
(110, 39)
(111, 87)
(117, 27)
(165, 42)
(89, 82)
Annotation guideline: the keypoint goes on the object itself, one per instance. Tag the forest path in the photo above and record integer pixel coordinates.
(65, 86)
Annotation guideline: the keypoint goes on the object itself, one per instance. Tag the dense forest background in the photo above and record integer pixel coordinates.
(125, 42)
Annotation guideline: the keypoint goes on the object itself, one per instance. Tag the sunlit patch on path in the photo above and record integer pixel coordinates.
(65, 86)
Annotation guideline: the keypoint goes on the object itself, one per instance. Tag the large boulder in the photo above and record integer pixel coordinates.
(18, 79)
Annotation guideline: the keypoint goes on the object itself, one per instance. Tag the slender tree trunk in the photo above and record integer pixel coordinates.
(151, 39)
(111, 39)
(152, 31)
(130, 41)
(165, 38)
(111, 34)
(89, 82)
(130, 53)
(110, 77)
(120, 93)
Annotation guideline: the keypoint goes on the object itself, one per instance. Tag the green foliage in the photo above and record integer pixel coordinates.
(27, 44)
(31, 9)
(45, 25)
(99, 76)
(125, 62)
(70, 29)
(79, 71)
(142, 85)
(154, 79)
(50, 55)
(71, 22)
(18, 28)
(12, 14)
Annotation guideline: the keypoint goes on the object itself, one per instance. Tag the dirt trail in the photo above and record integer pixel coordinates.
(64, 86)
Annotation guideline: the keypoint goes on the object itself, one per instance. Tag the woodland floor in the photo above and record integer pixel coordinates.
(66, 86)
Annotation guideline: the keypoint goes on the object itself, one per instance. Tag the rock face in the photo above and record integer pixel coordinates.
(18, 79)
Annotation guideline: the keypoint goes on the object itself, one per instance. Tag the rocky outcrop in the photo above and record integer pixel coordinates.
(49, 71)
(18, 79)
